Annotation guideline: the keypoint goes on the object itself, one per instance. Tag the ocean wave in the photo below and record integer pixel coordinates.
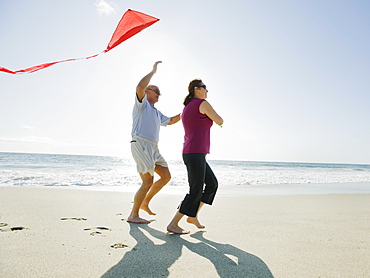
(86, 171)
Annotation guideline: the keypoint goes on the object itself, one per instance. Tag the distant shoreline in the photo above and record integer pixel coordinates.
(209, 160)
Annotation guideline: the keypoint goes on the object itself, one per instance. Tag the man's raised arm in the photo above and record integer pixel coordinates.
(144, 82)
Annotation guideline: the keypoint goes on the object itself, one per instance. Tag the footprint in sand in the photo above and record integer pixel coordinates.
(74, 218)
(97, 230)
(118, 245)
(10, 229)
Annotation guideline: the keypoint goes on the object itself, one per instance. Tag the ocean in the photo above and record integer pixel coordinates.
(240, 177)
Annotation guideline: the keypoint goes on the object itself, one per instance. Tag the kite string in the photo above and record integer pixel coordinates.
(46, 65)
(130, 24)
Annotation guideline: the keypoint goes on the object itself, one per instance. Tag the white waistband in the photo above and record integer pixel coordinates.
(144, 139)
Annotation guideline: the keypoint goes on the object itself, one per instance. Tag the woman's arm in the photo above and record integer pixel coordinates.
(206, 108)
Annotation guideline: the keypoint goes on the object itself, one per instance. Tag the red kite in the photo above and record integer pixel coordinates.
(131, 23)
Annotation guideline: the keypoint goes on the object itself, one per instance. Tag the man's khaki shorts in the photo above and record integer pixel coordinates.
(146, 155)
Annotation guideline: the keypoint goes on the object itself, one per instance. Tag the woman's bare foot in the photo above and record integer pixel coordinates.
(195, 221)
(177, 230)
(147, 209)
(137, 220)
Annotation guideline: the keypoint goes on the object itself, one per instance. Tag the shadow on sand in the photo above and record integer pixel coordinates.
(147, 259)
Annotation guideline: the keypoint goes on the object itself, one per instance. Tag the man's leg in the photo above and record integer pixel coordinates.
(147, 183)
(164, 178)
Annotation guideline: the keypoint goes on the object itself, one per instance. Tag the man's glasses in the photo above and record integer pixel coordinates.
(158, 92)
(203, 86)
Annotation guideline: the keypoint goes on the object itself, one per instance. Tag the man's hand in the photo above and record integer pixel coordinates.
(155, 66)
(144, 82)
(174, 119)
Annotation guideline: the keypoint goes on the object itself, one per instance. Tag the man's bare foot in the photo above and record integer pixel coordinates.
(147, 209)
(195, 221)
(137, 220)
(177, 230)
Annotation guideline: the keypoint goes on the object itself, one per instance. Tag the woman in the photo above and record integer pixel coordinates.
(197, 118)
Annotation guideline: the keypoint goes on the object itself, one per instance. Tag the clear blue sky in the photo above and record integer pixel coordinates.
(290, 78)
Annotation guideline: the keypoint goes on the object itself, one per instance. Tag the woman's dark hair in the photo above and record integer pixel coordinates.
(194, 83)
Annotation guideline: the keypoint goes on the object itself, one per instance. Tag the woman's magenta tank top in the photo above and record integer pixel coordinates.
(197, 128)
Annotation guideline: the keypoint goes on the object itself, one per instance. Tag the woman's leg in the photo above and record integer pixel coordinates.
(208, 195)
(174, 227)
(195, 220)
(211, 186)
(196, 167)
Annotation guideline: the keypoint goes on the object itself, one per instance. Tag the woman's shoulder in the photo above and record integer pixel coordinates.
(196, 100)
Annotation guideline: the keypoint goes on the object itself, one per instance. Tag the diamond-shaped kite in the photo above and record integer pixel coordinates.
(131, 23)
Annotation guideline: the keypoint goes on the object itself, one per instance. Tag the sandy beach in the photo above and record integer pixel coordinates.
(64, 232)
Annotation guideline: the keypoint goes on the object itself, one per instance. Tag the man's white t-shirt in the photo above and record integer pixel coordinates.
(147, 120)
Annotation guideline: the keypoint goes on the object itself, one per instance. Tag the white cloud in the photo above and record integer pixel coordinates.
(31, 139)
(38, 144)
(104, 8)
(27, 127)
(49, 141)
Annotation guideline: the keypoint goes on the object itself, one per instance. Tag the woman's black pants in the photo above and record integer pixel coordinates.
(199, 174)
